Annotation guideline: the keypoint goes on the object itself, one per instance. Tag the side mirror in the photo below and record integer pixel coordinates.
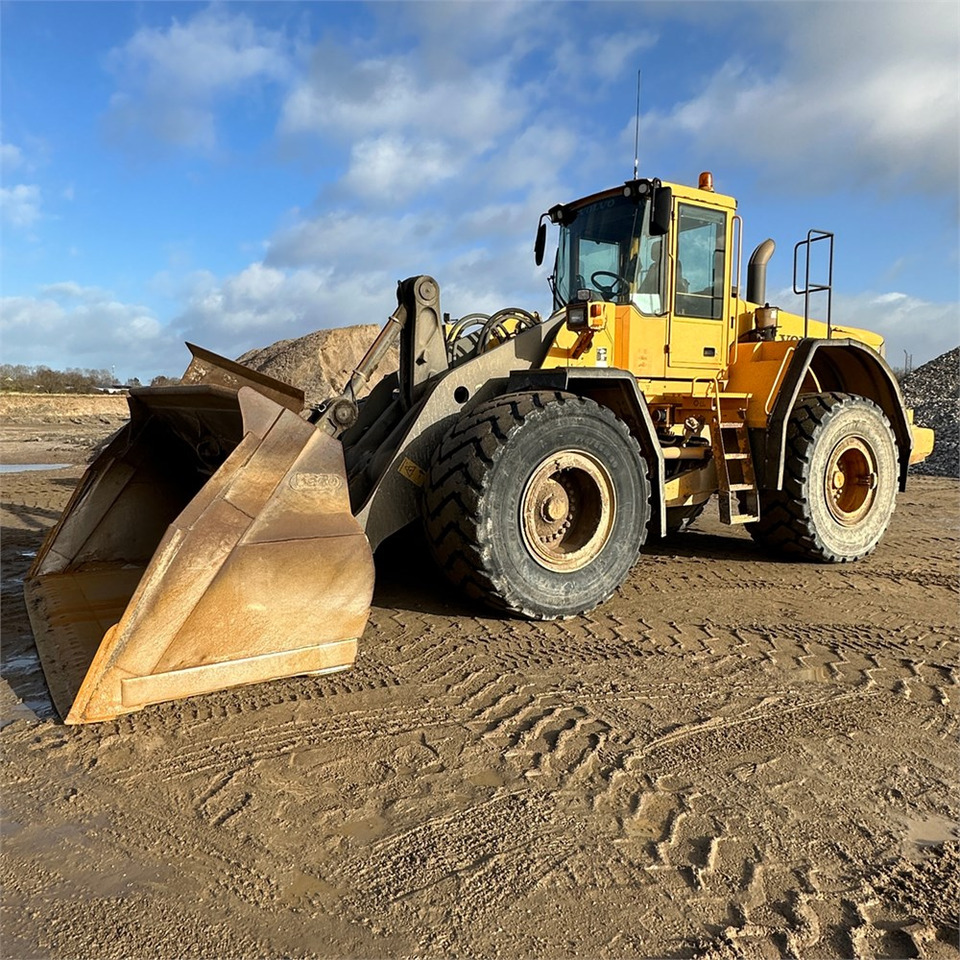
(660, 214)
(541, 242)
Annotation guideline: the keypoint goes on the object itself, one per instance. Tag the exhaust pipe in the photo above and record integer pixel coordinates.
(757, 272)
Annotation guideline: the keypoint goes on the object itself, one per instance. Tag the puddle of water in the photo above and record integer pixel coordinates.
(8, 827)
(24, 467)
(486, 778)
(30, 702)
(21, 663)
(927, 830)
(23, 691)
(365, 830)
(303, 885)
(32, 705)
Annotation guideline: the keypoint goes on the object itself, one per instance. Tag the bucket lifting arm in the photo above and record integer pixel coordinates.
(417, 324)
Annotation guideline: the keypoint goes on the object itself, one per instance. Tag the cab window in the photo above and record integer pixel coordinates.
(598, 256)
(606, 249)
(701, 247)
(595, 250)
(650, 272)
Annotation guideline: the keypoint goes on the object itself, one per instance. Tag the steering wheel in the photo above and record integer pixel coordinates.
(619, 285)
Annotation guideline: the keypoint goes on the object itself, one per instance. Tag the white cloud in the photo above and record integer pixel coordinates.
(886, 299)
(480, 27)
(610, 55)
(70, 325)
(602, 57)
(414, 121)
(341, 268)
(919, 327)
(357, 98)
(343, 241)
(11, 157)
(212, 51)
(262, 304)
(532, 159)
(20, 205)
(170, 78)
(395, 168)
(857, 93)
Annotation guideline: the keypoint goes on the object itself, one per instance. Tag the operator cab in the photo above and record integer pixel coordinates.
(653, 262)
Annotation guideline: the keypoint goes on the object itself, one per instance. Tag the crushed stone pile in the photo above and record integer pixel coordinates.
(933, 391)
(321, 362)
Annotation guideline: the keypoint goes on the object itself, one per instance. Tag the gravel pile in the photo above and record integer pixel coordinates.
(320, 363)
(933, 391)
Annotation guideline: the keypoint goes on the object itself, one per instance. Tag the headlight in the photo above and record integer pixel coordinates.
(577, 315)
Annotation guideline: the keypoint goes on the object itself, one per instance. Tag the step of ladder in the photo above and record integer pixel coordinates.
(736, 480)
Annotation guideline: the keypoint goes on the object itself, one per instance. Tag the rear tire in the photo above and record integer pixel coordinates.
(538, 503)
(839, 483)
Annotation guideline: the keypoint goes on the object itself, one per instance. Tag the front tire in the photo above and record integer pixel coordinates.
(537, 503)
(840, 481)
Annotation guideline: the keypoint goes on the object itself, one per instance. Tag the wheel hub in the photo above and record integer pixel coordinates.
(567, 511)
(556, 504)
(851, 481)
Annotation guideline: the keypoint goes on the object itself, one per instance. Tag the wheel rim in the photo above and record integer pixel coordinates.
(850, 481)
(567, 511)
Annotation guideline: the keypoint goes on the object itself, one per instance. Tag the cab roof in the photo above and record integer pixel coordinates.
(680, 190)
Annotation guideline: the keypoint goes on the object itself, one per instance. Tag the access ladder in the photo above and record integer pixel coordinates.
(736, 478)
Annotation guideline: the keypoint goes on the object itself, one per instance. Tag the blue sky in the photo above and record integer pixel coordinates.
(235, 174)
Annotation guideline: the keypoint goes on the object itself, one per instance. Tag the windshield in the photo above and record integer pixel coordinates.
(608, 250)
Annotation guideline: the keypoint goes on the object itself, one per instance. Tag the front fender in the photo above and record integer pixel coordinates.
(617, 390)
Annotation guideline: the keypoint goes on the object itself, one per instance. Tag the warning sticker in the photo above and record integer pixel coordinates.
(412, 472)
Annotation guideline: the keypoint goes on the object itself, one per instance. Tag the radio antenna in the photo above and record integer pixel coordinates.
(636, 139)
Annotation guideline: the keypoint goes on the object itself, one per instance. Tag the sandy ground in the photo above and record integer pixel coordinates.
(734, 757)
(56, 429)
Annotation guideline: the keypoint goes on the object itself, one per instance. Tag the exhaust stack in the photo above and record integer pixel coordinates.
(757, 272)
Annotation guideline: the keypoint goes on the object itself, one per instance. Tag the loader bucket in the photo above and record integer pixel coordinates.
(211, 544)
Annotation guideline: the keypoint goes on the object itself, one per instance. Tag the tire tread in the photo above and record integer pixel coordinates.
(457, 489)
(786, 522)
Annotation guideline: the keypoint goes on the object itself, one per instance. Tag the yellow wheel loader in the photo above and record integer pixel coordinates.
(226, 535)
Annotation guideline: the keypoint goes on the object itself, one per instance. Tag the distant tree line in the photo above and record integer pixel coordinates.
(19, 378)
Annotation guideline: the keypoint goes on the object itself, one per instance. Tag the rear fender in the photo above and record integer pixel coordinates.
(845, 366)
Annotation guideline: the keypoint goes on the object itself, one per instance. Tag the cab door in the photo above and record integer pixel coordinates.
(701, 266)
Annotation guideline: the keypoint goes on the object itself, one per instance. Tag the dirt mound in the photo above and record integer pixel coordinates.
(60, 407)
(321, 362)
(933, 391)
